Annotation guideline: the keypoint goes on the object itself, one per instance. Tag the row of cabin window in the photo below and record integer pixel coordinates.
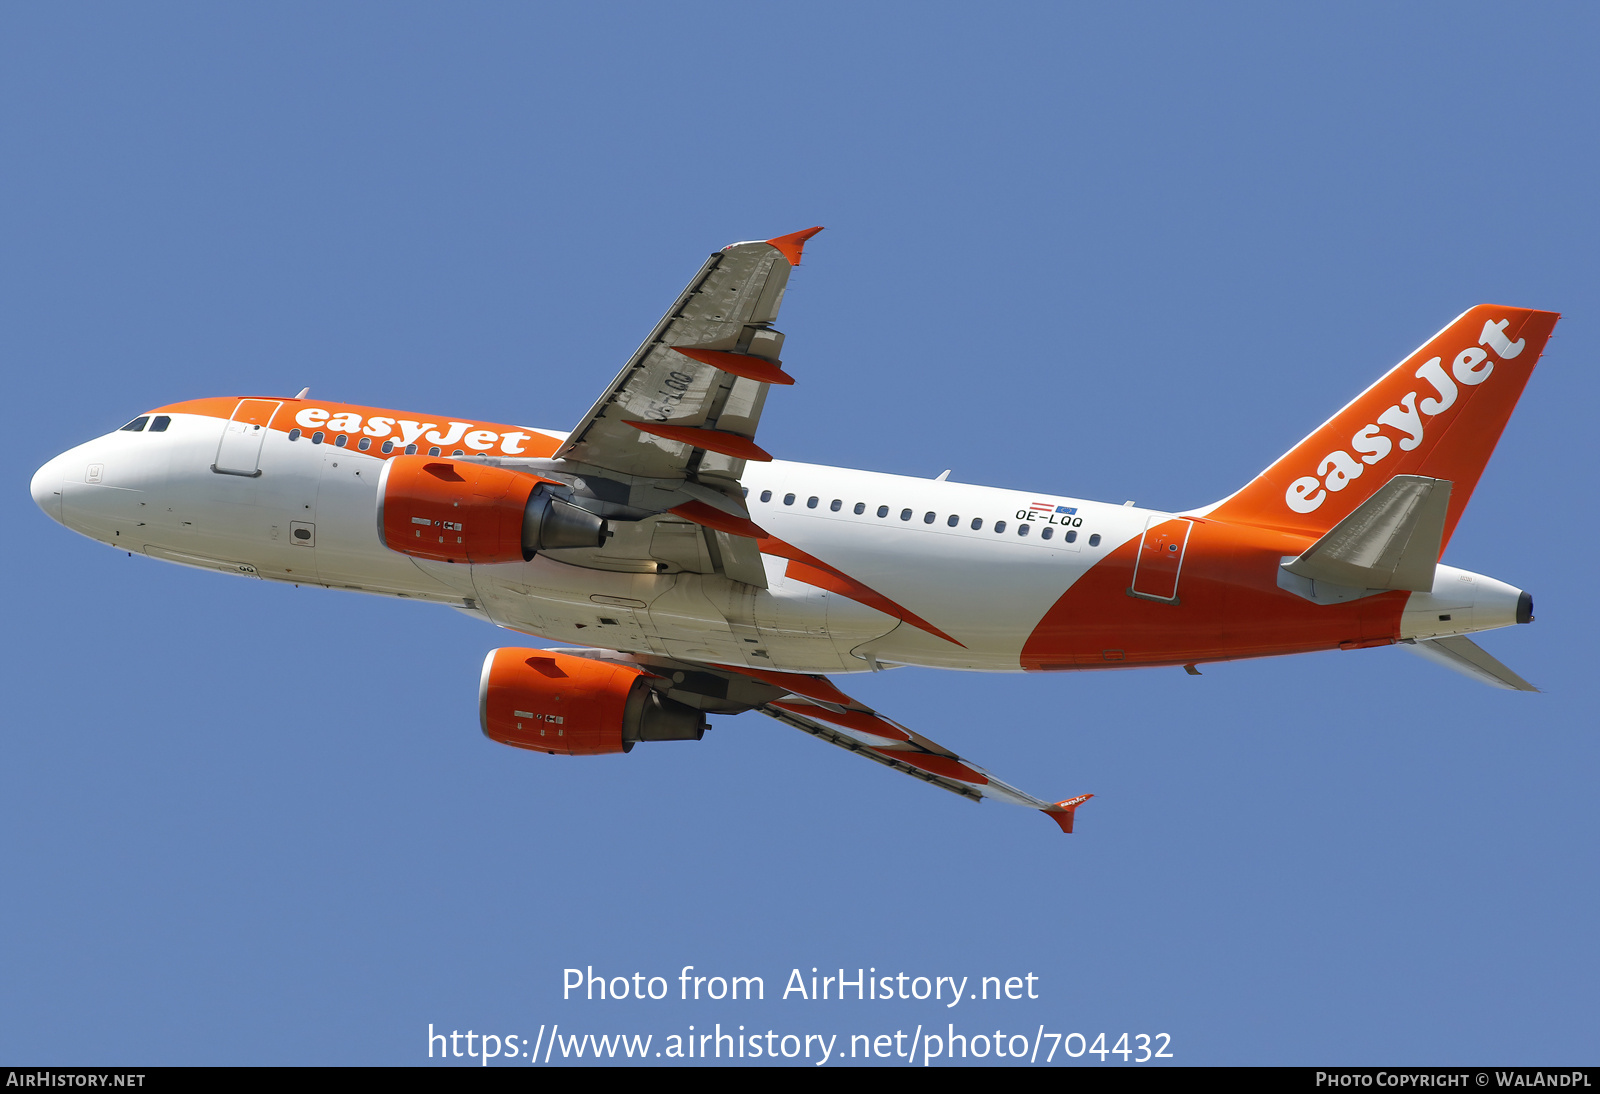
(928, 518)
(366, 442)
(137, 425)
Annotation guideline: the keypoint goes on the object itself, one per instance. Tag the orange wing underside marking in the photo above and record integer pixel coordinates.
(739, 364)
(910, 748)
(712, 440)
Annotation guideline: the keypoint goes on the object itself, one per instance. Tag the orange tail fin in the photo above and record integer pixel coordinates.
(1438, 413)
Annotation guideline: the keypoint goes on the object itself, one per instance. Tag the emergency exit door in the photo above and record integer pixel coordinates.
(1160, 560)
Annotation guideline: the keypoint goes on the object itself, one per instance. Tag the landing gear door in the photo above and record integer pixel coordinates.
(1160, 560)
(240, 450)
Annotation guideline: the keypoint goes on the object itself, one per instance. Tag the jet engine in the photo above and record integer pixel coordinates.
(556, 703)
(455, 511)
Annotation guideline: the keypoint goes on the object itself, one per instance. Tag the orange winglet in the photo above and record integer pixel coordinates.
(792, 244)
(851, 719)
(740, 364)
(712, 440)
(1061, 812)
(710, 517)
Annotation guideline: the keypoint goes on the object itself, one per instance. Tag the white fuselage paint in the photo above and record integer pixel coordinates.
(310, 517)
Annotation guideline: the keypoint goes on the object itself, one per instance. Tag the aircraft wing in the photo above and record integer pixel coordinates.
(687, 403)
(812, 704)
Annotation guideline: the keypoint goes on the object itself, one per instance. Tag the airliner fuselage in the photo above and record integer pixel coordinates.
(690, 573)
(988, 572)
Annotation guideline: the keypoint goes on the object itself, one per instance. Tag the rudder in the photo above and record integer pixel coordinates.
(1438, 413)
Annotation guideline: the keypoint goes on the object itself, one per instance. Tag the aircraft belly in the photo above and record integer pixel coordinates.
(696, 617)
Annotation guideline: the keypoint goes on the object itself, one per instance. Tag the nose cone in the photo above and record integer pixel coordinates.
(46, 489)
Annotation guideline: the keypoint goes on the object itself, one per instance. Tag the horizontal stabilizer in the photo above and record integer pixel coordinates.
(1391, 541)
(1470, 659)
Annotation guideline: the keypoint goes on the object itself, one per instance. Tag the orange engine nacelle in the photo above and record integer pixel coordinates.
(556, 703)
(455, 511)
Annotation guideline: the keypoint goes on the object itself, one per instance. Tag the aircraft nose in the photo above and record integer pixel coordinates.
(46, 489)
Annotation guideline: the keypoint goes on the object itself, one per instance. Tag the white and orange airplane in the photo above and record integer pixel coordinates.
(696, 575)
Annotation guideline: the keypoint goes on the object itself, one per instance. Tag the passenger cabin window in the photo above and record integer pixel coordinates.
(811, 502)
(861, 507)
(835, 505)
(294, 434)
(788, 499)
(388, 446)
(1071, 537)
(766, 495)
(883, 510)
(411, 449)
(1046, 532)
(317, 437)
(977, 523)
(929, 518)
(160, 423)
(905, 514)
(433, 451)
(341, 441)
(999, 526)
(458, 452)
(1022, 529)
(1094, 540)
(364, 444)
(135, 426)
(953, 521)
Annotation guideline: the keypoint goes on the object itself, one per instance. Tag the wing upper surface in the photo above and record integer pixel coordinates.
(694, 415)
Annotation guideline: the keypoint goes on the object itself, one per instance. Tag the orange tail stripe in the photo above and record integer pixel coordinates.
(712, 440)
(1438, 413)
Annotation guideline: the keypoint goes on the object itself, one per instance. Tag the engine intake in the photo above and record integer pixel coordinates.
(571, 706)
(455, 511)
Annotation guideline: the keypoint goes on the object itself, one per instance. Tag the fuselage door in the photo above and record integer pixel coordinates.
(1160, 560)
(240, 450)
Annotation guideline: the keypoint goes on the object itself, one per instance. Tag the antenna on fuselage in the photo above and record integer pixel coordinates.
(303, 393)
(945, 474)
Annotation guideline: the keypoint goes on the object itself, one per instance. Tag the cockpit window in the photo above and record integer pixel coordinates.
(136, 425)
(160, 423)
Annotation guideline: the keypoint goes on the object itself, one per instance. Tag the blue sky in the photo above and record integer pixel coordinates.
(1107, 251)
